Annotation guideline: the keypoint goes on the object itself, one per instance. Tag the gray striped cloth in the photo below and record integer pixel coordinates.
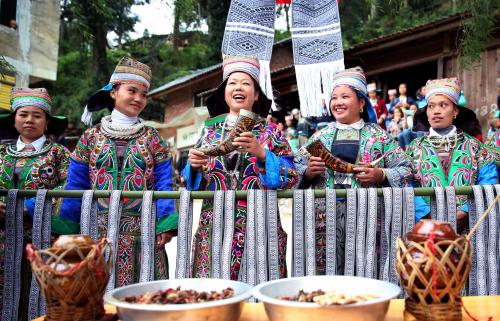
(41, 240)
(113, 231)
(183, 264)
(148, 237)
(88, 217)
(13, 256)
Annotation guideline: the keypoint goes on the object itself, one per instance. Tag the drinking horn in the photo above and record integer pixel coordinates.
(244, 123)
(317, 149)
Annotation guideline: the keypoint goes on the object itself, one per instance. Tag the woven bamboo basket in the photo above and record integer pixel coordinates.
(73, 285)
(433, 275)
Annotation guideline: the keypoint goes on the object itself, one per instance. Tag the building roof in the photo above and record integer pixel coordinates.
(438, 22)
(193, 75)
(399, 34)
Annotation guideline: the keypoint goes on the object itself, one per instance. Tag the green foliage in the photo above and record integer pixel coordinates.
(477, 30)
(5, 67)
(281, 35)
(187, 15)
(362, 20)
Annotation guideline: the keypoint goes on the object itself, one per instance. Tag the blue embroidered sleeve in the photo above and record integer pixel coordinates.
(192, 178)
(78, 179)
(275, 170)
(421, 208)
(163, 182)
(29, 203)
(487, 174)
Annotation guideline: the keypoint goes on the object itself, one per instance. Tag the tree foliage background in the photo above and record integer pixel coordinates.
(86, 59)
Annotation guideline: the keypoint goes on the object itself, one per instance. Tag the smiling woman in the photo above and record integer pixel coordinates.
(356, 139)
(121, 153)
(262, 160)
(129, 99)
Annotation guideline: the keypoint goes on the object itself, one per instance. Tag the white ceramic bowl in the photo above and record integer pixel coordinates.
(224, 310)
(282, 310)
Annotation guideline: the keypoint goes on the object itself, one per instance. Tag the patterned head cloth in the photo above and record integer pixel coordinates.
(38, 97)
(371, 87)
(247, 65)
(216, 103)
(130, 71)
(317, 51)
(355, 79)
(352, 77)
(249, 31)
(449, 87)
(393, 92)
(127, 71)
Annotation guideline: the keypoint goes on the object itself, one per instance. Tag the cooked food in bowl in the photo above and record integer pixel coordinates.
(209, 300)
(302, 296)
(329, 298)
(178, 296)
(331, 305)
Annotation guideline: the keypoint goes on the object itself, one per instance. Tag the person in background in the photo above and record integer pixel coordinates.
(304, 129)
(291, 136)
(408, 135)
(122, 153)
(398, 123)
(13, 24)
(296, 117)
(378, 104)
(403, 101)
(410, 113)
(289, 122)
(447, 155)
(421, 102)
(391, 94)
(494, 124)
(269, 119)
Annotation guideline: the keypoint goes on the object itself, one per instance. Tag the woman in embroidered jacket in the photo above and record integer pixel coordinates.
(263, 161)
(32, 162)
(122, 153)
(356, 138)
(447, 155)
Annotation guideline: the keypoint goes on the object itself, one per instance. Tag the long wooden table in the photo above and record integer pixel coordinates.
(480, 307)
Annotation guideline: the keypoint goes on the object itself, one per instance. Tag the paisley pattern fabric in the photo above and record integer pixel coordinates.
(145, 165)
(137, 171)
(466, 161)
(374, 143)
(46, 171)
(493, 145)
(249, 174)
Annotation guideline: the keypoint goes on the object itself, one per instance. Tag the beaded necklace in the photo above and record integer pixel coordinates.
(12, 151)
(119, 131)
(234, 174)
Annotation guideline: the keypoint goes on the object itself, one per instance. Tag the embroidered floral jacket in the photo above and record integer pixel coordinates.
(147, 165)
(470, 164)
(374, 143)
